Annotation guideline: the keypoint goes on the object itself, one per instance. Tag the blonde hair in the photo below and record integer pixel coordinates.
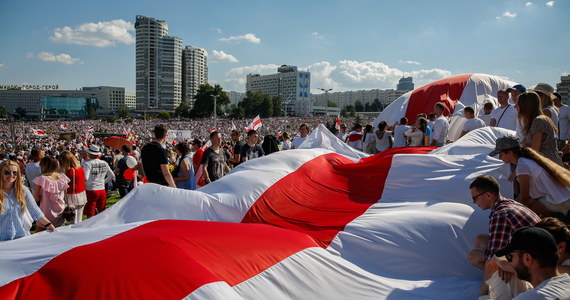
(68, 161)
(557, 173)
(18, 186)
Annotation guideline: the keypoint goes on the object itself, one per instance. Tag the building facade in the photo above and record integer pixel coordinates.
(57, 108)
(343, 99)
(158, 66)
(564, 89)
(405, 84)
(108, 98)
(290, 84)
(194, 72)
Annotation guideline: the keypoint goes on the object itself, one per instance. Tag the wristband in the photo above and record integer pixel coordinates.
(46, 225)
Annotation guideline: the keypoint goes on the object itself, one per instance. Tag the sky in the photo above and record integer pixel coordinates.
(346, 45)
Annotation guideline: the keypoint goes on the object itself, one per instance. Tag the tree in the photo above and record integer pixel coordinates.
(163, 115)
(376, 105)
(256, 103)
(20, 112)
(237, 112)
(123, 112)
(183, 110)
(204, 101)
(331, 104)
(278, 109)
(3, 112)
(343, 112)
(358, 106)
(366, 106)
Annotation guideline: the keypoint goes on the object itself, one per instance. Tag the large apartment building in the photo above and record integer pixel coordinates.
(292, 85)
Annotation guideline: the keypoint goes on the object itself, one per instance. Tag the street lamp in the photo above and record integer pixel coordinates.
(215, 105)
(326, 100)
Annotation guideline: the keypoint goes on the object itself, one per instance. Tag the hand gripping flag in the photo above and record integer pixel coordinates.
(63, 126)
(322, 223)
(256, 123)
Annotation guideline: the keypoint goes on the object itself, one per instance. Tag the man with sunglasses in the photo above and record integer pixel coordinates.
(532, 253)
(506, 216)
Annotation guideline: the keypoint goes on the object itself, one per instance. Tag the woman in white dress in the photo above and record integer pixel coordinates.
(383, 137)
(417, 134)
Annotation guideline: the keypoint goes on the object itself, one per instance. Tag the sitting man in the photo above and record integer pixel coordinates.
(532, 253)
(506, 216)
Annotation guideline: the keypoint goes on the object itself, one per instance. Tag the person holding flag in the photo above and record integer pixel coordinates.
(304, 130)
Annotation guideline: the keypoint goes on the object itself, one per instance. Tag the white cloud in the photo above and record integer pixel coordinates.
(410, 62)
(318, 36)
(218, 56)
(235, 78)
(101, 34)
(509, 14)
(217, 30)
(550, 3)
(2, 65)
(346, 75)
(62, 58)
(248, 37)
(528, 4)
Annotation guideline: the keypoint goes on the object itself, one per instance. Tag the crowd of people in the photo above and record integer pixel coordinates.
(44, 178)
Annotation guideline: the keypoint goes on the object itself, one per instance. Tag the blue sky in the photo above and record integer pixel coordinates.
(347, 45)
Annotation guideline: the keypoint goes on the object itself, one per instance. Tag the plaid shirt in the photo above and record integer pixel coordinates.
(507, 216)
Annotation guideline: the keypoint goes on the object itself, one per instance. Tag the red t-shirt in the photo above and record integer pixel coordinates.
(77, 184)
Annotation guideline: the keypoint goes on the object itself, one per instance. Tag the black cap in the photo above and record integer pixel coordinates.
(530, 239)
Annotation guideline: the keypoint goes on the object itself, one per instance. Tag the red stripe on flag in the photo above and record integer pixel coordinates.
(166, 259)
(448, 91)
(325, 194)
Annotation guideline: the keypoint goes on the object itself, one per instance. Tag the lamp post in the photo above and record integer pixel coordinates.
(215, 106)
(326, 101)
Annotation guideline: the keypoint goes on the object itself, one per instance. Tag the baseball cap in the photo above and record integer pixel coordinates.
(505, 143)
(530, 239)
(518, 87)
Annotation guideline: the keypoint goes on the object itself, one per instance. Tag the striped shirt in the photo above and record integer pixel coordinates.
(12, 219)
(507, 216)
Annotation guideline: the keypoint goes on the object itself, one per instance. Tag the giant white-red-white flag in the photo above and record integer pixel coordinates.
(255, 124)
(318, 223)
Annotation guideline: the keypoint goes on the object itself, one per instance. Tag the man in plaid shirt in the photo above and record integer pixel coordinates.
(506, 216)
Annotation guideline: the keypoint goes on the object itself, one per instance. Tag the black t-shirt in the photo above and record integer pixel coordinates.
(237, 150)
(153, 155)
(251, 152)
(215, 163)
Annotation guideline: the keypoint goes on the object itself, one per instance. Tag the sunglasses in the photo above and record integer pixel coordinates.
(15, 173)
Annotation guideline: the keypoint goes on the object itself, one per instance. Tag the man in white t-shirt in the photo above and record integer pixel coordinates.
(304, 131)
(440, 126)
(504, 116)
(399, 130)
(485, 113)
(472, 122)
(532, 252)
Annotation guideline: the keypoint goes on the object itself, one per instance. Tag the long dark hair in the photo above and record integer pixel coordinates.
(530, 109)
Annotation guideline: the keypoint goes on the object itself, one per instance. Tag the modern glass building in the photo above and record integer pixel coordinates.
(55, 108)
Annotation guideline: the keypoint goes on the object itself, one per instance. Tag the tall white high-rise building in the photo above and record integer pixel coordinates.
(158, 66)
(194, 72)
(292, 85)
